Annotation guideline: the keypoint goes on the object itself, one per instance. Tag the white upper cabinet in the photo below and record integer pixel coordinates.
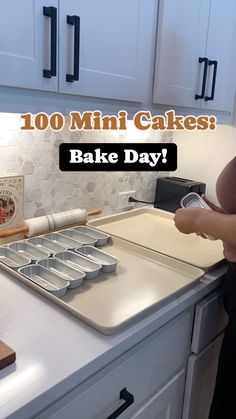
(181, 40)
(93, 48)
(28, 44)
(195, 63)
(107, 48)
(221, 50)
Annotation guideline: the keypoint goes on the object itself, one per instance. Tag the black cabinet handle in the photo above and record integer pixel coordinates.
(75, 21)
(215, 64)
(52, 13)
(205, 61)
(128, 398)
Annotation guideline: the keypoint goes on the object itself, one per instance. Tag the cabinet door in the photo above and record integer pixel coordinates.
(167, 403)
(117, 41)
(181, 40)
(200, 382)
(221, 47)
(143, 371)
(209, 321)
(25, 44)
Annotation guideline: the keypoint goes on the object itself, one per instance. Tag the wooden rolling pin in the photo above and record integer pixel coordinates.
(25, 229)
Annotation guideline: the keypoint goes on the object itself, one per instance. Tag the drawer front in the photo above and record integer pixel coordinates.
(200, 381)
(210, 321)
(142, 371)
(167, 403)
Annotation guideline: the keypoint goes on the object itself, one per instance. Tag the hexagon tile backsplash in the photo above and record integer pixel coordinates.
(48, 190)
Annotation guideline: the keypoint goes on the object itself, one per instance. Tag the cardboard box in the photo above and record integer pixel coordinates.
(11, 204)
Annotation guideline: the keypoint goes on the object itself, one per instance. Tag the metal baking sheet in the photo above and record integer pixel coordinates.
(62, 240)
(143, 281)
(101, 238)
(74, 276)
(45, 279)
(29, 250)
(80, 237)
(45, 244)
(108, 262)
(12, 259)
(80, 262)
(155, 230)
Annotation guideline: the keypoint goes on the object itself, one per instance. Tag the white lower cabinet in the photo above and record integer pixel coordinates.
(209, 322)
(200, 381)
(167, 403)
(151, 375)
(165, 376)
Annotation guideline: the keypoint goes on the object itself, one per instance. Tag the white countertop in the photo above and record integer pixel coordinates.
(56, 352)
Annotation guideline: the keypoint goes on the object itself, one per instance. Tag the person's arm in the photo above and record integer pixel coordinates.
(213, 206)
(220, 226)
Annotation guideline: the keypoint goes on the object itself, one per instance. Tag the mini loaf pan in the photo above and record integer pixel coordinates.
(66, 242)
(46, 279)
(29, 250)
(80, 237)
(74, 276)
(101, 238)
(13, 259)
(46, 245)
(76, 261)
(108, 262)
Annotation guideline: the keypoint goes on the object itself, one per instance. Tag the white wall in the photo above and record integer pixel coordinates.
(202, 155)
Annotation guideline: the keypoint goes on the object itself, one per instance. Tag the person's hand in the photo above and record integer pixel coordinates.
(186, 219)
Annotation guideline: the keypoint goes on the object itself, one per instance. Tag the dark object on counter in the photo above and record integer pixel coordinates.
(7, 355)
(170, 191)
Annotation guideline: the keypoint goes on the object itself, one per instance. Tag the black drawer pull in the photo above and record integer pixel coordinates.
(205, 61)
(214, 63)
(128, 399)
(52, 13)
(75, 21)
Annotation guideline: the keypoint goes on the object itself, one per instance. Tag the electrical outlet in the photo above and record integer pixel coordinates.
(123, 199)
